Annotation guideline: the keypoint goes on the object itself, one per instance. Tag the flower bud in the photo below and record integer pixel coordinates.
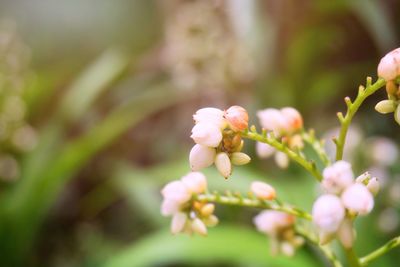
(195, 182)
(363, 178)
(199, 227)
(385, 106)
(211, 221)
(206, 134)
(169, 207)
(272, 119)
(178, 222)
(389, 66)
(373, 186)
(176, 191)
(282, 160)
(293, 117)
(337, 177)
(239, 158)
(358, 199)
(210, 116)
(346, 233)
(328, 213)
(223, 164)
(263, 190)
(287, 249)
(264, 150)
(201, 157)
(272, 222)
(207, 209)
(397, 114)
(237, 118)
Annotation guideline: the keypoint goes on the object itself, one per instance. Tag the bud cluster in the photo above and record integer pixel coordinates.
(284, 123)
(389, 70)
(279, 226)
(344, 198)
(218, 141)
(188, 216)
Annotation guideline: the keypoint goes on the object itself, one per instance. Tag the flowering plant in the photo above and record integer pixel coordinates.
(219, 136)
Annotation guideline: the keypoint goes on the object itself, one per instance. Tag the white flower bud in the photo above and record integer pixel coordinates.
(169, 207)
(363, 178)
(293, 118)
(346, 233)
(282, 160)
(263, 190)
(287, 249)
(272, 120)
(373, 186)
(201, 157)
(328, 213)
(357, 198)
(385, 106)
(264, 150)
(176, 191)
(271, 221)
(178, 222)
(207, 209)
(223, 164)
(239, 158)
(237, 118)
(195, 182)
(206, 134)
(210, 116)
(199, 227)
(389, 66)
(337, 177)
(211, 221)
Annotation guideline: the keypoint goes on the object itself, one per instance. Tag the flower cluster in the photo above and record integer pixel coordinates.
(344, 198)
(284, 123)
(188, 216)
(279, 226)
(217, 137)
(389, 70)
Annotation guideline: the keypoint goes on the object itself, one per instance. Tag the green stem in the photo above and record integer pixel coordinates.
(236, 200)
(393, 243)
(263, 138)
(352, 257)
(325, 250)
(352, 108)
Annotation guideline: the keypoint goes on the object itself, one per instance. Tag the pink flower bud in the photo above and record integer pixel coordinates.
(178, 222)
(272, 120)
(195, 182)
(389, 66)
(201, 157)
(210, 116)
(223, 164)
(293, 118)
(264, 150)
(237, 118)
(176, 191)
(282, 160)
(169, 207)
(263, 190)
(346, 233)
(328, 213)
(199, 227)
(373, 186)
(357, 198)
(271, 222)
(206, 134)
(337, 177)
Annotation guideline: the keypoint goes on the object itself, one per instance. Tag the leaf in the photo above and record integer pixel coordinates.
(230, 244)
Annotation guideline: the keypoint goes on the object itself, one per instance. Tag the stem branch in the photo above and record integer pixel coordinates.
(393, 243)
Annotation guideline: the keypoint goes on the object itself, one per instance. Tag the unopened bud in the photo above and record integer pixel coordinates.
(264, 150)
(346, 234)
(223, 164)
(178, 222)
(237, 118)
(293, 117)
(385, 106)
(211, 221)
(207, 209)
(389, 66)
(239, 158)
(363, 178)
(397, 114)
(263, 190)
(328, 213)
(373, 186)
(201, 157)
(357, 198)
(206, 134)
(282, 160)
(287, 249)
(195, 182)
(199, 227)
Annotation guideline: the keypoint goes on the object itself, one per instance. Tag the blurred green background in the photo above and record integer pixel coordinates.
(96, 99)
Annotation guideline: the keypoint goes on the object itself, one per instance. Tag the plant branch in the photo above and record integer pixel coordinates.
(325, 250)
(352, 257)
(393, 243)
(263, 138)
(352, 107)
(238, 200)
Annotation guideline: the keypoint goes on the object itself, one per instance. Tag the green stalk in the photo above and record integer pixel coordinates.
(393, 243)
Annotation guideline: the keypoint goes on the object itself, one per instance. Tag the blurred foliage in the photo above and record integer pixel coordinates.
(96, 100)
